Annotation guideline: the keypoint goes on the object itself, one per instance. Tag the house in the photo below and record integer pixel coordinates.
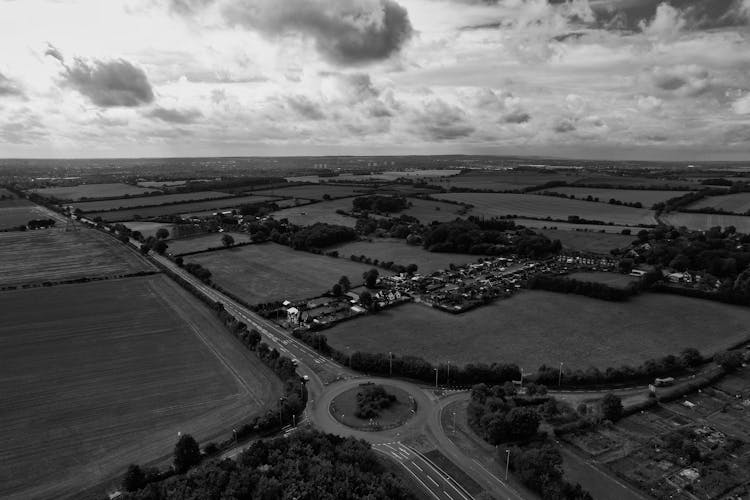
(292, 315)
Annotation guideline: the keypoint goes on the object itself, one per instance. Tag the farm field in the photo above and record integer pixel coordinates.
(54, 255)
(589, 241)
(178, 208)
(567, 226)
(615, 181)
(85, 394)
(495, 205)
(267, 272)
(702, 222)
(427, 211)
(536, 327)
(324, 211)
(22, 213)
(98, 206)
(611, 279)
(738, 203)
(203, 242)
(644, 196)
(314, 191)
(503, 180)
(108, 190)
(147, 228)
(426, 174)
(158, 184)
(391, 249)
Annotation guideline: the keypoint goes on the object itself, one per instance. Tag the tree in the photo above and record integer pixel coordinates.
(227, 240)
(336, 290)
(729, 360)
(134, 478)
(345, 283)
(365, 298)
(411, 268)
(179, 261)
(371, 278)
(611, 407)
(160, 247)
(162, 234)
(187, 453)
(521, 423)
(690, 358)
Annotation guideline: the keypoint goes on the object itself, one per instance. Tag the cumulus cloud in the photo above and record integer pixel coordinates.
(660, 18)
(517, 117)
(742, 105)
(684, 80)
(344, 32)
(9, 87)
(305, 107)
(107, 84)
(666, 24)
(175, 115)
(563, 126)
(649, 104)
(440, 121)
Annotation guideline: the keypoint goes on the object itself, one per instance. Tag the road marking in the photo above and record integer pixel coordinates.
(418, 467)
(448, 494)
(433, 481)
(420, 481)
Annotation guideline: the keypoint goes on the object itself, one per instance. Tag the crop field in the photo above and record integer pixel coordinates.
(22, 213)
(536, 327)
(203, 242)
(505, 180)
(55, 255)
(738, 203)
(315, 191)
(589, 241)
(616, 280)
(324, 211)
(266, 272)
(702, 222)
(91, 382)
(391, 249)
(159, 184)
(567, 226)
(93, 191)
(178, 208)
(494, 205)
(147, 228)
(644, 196)
(611, 180)
(120, 203)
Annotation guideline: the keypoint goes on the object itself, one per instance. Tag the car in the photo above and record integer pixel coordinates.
(295, 361)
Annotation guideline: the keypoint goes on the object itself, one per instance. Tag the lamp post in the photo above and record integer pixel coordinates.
(507, 462)
(234, 431)
(390, 364)
(448, 376)
(454, 422)
(280, 421)
(559, 377)
(436, 378)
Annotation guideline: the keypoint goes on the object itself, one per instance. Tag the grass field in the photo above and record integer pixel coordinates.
(493, 205)
(203, 242)
(738, 203)
(266, 272)
(92, 382)
(75, 193)
(702, 222)
(604, 179)
(645, 196)
(566, 226)
(505, 180)
(22, 213)
(387, 249)
(53, 255)
(428, 211)
(178, 208)
(612, 279)
(324, 211)
(587, 241)
(536, 327)
(147, 228)
(119, 203)
(314, 191)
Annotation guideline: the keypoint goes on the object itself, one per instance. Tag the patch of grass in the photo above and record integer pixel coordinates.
(536, 327)
(345, 408)
(325, 211)
(702, 222)
(738, 203)
(315, 191)
(203, 242)
(104, 374)
(17, 212)
(646, 197)
(267, 272)
(589, 241)
(120, 203)
(612, 279)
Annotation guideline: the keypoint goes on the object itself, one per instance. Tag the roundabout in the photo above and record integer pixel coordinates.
(394, 407)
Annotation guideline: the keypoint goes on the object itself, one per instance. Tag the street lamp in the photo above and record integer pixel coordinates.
(454, 422)
(448, 376)
(235, 434)
(436, 378)
(390, 364)
(280, 420)
(507, 462)
(559, 377)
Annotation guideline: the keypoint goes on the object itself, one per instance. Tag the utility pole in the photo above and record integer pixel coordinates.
(507, 462)
(390, 364)
(559, 378)
(436, 378)
(454, 422)
(280, 421)
(448, 376)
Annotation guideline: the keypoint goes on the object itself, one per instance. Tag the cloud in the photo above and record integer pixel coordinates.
(649, 104)
(9, 87)
(666, 24)
(564, 126)
(742, 105)
(517, 117)
(175, 115)
(684, 80)
(106, 83)
(664, 17)
(440, 121)
(344, 32)
(306, 108)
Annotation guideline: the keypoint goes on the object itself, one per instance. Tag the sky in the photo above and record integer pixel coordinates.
(615, 79)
